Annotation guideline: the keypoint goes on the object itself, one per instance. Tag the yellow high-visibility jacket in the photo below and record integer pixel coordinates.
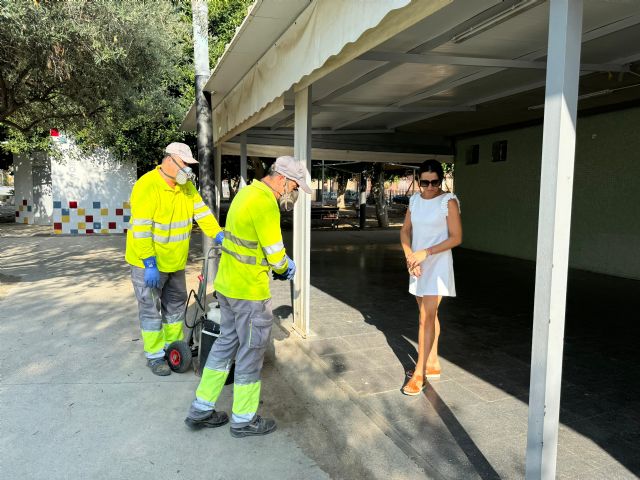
(161, 218)
(252, 245)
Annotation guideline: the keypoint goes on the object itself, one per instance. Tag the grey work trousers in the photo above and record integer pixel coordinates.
(245, 327)
(161, 310)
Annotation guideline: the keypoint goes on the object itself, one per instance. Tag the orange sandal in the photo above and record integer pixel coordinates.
(414, 386)
(431, 374)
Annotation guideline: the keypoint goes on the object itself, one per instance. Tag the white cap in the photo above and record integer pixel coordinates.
(182, 150)
(290, 168)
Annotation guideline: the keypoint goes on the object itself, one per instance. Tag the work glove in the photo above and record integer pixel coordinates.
(288, 274)
(291, 270)
(151, 272)
(219, 237)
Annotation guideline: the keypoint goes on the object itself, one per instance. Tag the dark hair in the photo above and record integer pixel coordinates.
(432, 166)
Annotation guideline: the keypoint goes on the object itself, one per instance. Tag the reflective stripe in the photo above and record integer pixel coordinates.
(142, 221)
(142, 234)
(281, 263)
(170, 226)
(199, 205)
(172, 238)
(248, 259)
(198, 216)
(275, 248)
(239, 241)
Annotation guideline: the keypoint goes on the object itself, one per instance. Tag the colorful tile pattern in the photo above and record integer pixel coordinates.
(87, 217)
(24, 212)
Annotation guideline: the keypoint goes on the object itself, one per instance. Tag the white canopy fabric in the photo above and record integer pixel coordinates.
(325, 29)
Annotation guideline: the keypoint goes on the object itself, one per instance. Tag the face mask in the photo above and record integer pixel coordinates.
(184, 174)
(287, 199)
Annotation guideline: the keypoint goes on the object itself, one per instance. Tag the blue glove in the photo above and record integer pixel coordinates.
(291, 270)
(288, 274)
(219, 237)
(151, 273)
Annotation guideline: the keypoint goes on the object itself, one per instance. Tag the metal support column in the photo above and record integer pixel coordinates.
(204, 125)
(363, 200)
(243, 161)
(302, 216)
(556, 187)
(217, 169)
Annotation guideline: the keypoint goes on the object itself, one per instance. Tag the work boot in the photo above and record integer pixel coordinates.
(197, 420)
(159, 366)
(258, 426)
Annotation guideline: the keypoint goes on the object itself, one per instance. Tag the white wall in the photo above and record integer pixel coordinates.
(90, 192)
(500, 200)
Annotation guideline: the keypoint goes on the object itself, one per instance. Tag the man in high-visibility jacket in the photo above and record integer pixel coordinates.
(164, 203)
(252, 247)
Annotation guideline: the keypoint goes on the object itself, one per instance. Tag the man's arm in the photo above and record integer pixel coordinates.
(143, 207)
(267, 225)
(205, 218)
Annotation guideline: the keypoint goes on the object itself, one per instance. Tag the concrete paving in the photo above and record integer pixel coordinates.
(78, 401)
(472, 423)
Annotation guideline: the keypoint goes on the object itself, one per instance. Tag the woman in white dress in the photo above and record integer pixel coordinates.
(431, 228)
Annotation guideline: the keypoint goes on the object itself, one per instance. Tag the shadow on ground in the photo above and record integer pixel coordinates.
(485, 348)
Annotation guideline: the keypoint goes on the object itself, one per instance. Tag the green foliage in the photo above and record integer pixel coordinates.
(117, 74)
(225, 16)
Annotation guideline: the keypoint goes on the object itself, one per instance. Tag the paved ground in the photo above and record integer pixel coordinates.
(79, 403)
(472, 423)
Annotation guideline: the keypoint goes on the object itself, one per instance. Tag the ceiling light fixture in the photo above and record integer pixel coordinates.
(501, 17)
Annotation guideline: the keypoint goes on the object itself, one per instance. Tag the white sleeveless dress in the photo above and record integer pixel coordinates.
(429, 227)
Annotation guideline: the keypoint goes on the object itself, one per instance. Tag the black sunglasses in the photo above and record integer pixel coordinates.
(433, 183)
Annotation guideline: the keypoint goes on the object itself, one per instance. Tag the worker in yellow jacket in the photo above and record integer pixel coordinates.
(252, 247)
(164, 203)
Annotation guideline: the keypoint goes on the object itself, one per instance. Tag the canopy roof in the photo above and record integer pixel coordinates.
(460, 69)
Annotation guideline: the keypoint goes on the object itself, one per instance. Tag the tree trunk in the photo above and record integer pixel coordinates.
(377, 184)
(342, 179)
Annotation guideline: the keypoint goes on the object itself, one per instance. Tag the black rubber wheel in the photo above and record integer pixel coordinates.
(179, 356)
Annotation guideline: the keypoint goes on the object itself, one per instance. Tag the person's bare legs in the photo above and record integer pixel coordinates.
(426, 335)
(433, 361)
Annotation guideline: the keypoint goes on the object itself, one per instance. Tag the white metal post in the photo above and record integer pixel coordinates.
(302, 216)
(217, 169)
(243, 161)
(556, 187)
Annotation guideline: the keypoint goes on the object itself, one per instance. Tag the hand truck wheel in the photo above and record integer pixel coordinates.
(179, 356)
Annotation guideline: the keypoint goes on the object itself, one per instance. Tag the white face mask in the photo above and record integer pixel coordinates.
(184, 175)
(287, 199)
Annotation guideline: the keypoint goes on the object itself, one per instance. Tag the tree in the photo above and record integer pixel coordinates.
(377, 190)
(116, 74)
(85, 66)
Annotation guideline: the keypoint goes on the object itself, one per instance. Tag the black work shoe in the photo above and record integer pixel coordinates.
(258, 426)
(213, 420)
(159, 367)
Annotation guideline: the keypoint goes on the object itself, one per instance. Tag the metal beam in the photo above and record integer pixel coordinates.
(503, 94)
(434, 42)
(289, 131)
(554, 228)
(285, 121)
(388, 109)
(359, 108)
(592, 35)
(438, 59)
(302, 217)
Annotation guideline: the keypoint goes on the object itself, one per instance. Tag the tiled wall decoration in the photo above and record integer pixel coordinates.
(24, 213)
(91, 217)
